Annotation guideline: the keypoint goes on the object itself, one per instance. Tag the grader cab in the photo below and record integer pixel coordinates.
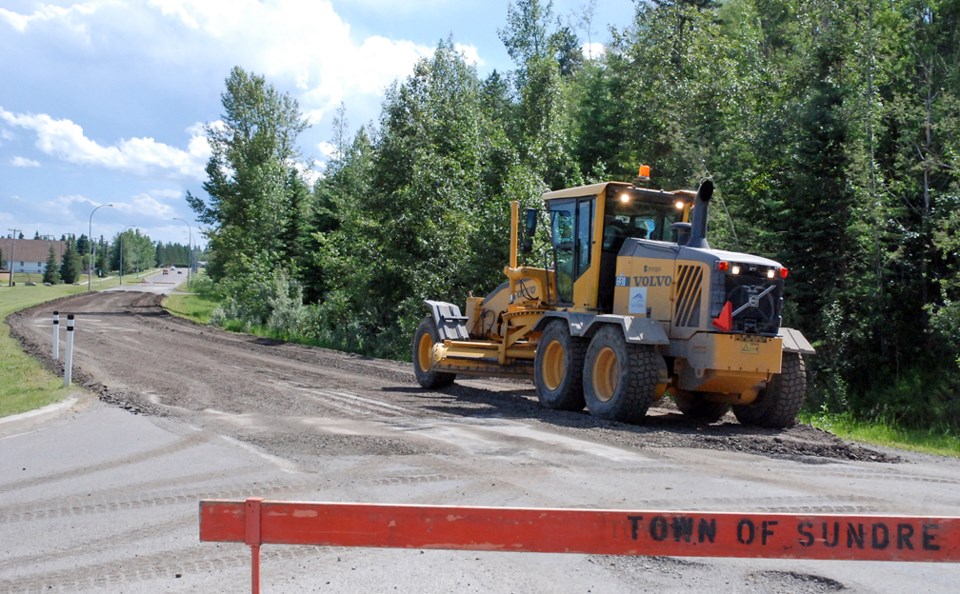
(633, 305)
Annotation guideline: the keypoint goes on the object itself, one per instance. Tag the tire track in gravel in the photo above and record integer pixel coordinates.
(106, 505)
(182, 444)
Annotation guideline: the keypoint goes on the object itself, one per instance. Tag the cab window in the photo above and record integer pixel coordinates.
(571, 226)
(642, 221)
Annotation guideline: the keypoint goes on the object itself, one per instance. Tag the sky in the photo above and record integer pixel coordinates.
(105, 101)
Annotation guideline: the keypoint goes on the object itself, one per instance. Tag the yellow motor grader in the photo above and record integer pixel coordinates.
(633, 304)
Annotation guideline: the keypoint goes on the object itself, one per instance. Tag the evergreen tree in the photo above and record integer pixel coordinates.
(70, 266)
(50, 274)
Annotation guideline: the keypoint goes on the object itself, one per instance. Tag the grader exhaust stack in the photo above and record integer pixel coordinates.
(698, 231)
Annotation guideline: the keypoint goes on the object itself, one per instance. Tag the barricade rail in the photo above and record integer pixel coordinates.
(585, 531)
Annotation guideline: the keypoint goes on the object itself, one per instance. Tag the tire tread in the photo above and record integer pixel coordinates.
(780, 402)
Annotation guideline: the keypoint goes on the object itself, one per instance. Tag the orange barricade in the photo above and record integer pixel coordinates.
(585, 531)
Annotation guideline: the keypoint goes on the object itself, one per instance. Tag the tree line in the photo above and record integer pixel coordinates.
(831, 129)
(128, 252)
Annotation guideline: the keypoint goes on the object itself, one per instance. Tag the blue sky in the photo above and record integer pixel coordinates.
(104, 101)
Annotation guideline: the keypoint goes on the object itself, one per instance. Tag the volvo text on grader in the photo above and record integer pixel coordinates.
(634, 304)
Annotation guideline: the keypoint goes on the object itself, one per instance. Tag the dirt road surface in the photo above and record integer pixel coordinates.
(103, 497)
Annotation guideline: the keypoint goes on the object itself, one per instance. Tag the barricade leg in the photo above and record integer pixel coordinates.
(252, 538)
(255, 569)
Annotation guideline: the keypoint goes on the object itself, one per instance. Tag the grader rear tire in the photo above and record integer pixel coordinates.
(620, 379)
(777, 405)
(426, 336)
(558, 368)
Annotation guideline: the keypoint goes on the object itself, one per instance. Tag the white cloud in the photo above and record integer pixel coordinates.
(303, 44)
(66, 202)
(146, 206)
(594, 50)
(470, 53)
(327, 149)
(65, 140)
(401, 5)
(69, 16)
(24, 162)
(169, 194)
(311, 172)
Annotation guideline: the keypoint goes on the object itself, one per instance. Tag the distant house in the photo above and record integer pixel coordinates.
(29, 255)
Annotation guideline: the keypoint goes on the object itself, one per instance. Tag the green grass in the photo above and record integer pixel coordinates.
(197, 304)
(942, 442)
(24, 383)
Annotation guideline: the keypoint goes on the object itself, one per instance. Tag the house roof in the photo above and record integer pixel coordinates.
(29, 250)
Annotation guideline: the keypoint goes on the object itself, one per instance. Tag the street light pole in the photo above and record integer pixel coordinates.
(190, 262)
(90, 239)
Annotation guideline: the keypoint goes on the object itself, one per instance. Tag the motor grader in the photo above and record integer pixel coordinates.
(631, 304)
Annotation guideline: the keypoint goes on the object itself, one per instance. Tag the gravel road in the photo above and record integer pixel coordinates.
(316, 424)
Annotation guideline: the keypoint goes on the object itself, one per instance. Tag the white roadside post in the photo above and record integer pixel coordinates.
(56, 335)
(68, 358)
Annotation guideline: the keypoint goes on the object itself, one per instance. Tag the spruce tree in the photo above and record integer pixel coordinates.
(51, 275)
(71, 265)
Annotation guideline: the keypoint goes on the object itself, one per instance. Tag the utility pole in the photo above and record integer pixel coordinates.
(13, 248)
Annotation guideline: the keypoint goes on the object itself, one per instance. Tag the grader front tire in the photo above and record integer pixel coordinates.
(777, 405)
(426, 336)
(558, 368)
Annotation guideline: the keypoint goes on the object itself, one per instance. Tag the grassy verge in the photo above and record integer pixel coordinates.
(941, 442)
(197, 303)
(24, 383)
